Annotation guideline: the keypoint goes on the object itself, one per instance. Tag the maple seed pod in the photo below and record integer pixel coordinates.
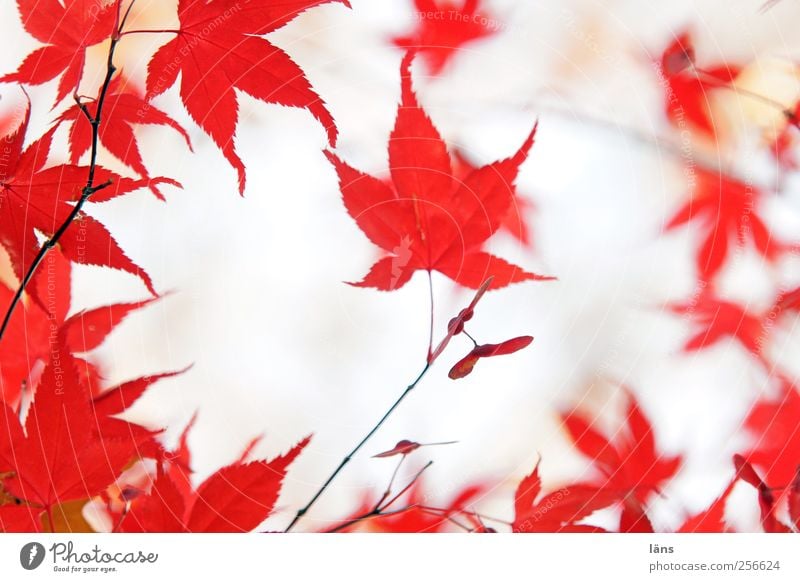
(403, 447)
(465, 365)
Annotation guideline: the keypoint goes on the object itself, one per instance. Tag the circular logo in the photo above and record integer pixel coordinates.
(31, 555)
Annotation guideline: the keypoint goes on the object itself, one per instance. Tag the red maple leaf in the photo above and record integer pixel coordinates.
(774, 424)
(726, 209)
(514, 223)
(123, 109)
(443, 27)
(16, 518)
(427, 220)
(630, 464)
(34, 325)
(716, 320)
(794, 500)
(217, 49)
(766, 497)
(236, 498)
(686, 93)
(712, 519)
(58, 455)
(66, 28)
(33, 199)
(559, 511)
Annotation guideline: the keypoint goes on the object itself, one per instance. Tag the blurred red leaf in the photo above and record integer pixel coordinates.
(712, 519)
(687, 88)
(631, 463)
(442, 27)
(774, 424)
(716, 320)
(727, 212)
(794, 500)
(766, 498)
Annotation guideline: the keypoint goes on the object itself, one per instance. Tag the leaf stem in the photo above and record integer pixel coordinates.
(90, 187)
(430, 334)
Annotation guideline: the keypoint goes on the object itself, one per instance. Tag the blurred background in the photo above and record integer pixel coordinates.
(254, 287)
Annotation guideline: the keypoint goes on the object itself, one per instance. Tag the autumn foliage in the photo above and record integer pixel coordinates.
(67, 445)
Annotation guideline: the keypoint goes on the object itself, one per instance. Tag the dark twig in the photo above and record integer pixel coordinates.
(409, 486)
(391, 483)
(357, 448)
(367, 517)
(380, 510)
(90, 187)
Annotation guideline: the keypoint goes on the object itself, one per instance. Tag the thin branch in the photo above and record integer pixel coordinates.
(409, 486)
(367, 517)
(301, 512)
(380, 510)
(742, 91)
(444, 514)
(391, 483)
(90, 187)
(472, 339)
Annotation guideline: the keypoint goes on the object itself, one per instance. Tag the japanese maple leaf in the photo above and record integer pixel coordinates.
(726, 210)
(559, 511)
(35, 324)
(123, 110)
(33, 199)
(16, 518)
(426, 220)
(712, 519)
(716, 320)
(687, 87)
(236, 498)
(514, 223)
(218, 49)
(443, 27)
(66, 28)
(27, 338)
(794, 500)
(784, 144)
(58, 455)
(766, 497)
(774, 424)
(630, 463)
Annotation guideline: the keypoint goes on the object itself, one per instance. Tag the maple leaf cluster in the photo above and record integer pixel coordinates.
(65, 442)
(723, 209)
